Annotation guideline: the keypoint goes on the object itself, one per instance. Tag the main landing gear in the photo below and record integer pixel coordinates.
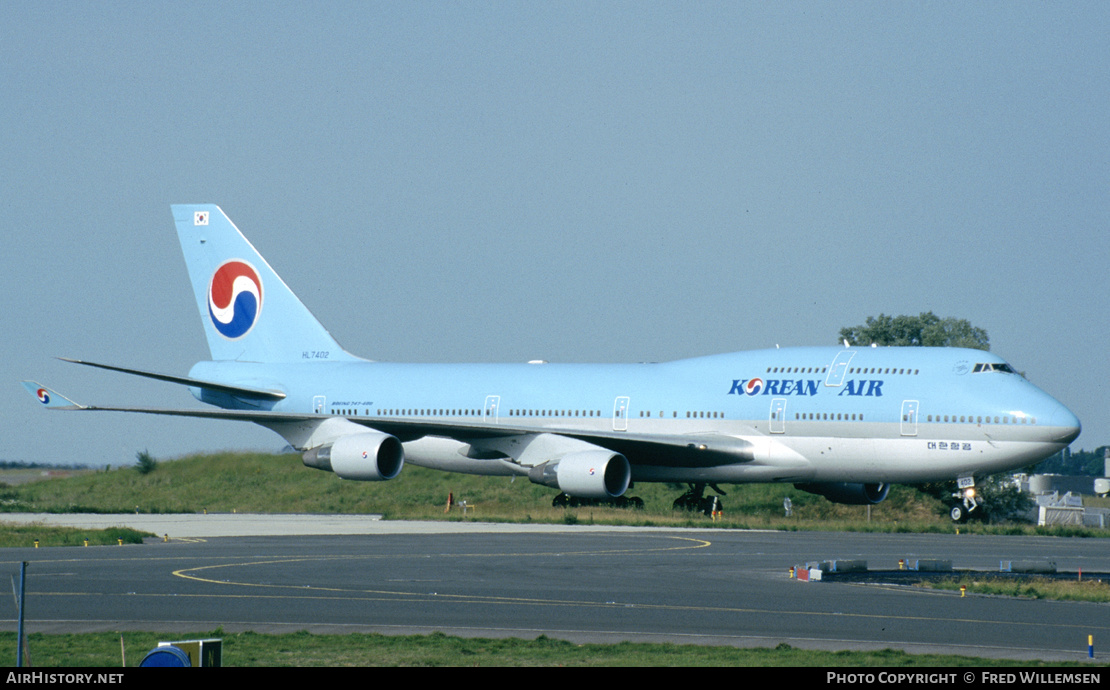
(695, 499)
(565, 501)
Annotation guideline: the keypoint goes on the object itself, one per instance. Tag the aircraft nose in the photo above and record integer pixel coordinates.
(1065, 422)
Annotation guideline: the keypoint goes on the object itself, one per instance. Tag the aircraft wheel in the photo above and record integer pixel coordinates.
(691, 500)
(958, 513)
(560, 501)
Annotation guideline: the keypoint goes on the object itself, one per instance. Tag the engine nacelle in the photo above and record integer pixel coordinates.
(586, 474)
(371, 456)
(851, 494)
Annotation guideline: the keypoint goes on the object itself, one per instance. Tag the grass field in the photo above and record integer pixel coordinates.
(257, 482)
(1033, 587)
(37, 535)
(307, 650)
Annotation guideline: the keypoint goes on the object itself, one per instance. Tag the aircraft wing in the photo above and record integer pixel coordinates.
(54, 400)
(50, 399)
(696, 450)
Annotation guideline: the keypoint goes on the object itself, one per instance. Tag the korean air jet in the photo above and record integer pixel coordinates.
(842, 422)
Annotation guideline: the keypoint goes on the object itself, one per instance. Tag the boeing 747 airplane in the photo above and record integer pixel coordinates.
(843, 422)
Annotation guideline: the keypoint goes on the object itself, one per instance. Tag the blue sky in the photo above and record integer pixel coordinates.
(573, 181)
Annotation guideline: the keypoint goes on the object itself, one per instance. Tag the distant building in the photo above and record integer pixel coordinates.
(1046, 483)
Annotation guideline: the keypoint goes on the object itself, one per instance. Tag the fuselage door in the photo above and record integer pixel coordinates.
(489, 412)
(778, 416)
(909, 417)
(620, 414)
(318, 404)
(839, 368)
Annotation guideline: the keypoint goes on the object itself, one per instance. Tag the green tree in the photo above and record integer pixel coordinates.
(144, 462)
(1074, 462)
(927, 329)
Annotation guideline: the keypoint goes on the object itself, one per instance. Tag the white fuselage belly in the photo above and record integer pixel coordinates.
(937, 453)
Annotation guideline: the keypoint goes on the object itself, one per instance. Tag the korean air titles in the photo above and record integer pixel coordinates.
(806, 387)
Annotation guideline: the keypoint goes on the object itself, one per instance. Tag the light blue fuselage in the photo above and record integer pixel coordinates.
(817, 414)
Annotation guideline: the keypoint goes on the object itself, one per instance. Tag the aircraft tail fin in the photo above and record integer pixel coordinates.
(248, 311)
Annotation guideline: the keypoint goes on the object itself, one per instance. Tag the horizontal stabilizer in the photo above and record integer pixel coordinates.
(238, 391)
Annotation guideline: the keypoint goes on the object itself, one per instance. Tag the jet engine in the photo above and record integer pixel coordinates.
(851, 494)
(370, 456)
(586, 474)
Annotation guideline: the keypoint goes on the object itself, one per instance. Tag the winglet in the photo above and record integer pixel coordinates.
(49, 398)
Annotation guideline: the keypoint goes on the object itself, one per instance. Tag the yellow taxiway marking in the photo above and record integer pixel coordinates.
(190, 573)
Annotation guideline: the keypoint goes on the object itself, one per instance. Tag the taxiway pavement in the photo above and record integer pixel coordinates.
(581, 583)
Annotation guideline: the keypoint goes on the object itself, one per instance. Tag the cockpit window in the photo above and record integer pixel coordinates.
(993, 366)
